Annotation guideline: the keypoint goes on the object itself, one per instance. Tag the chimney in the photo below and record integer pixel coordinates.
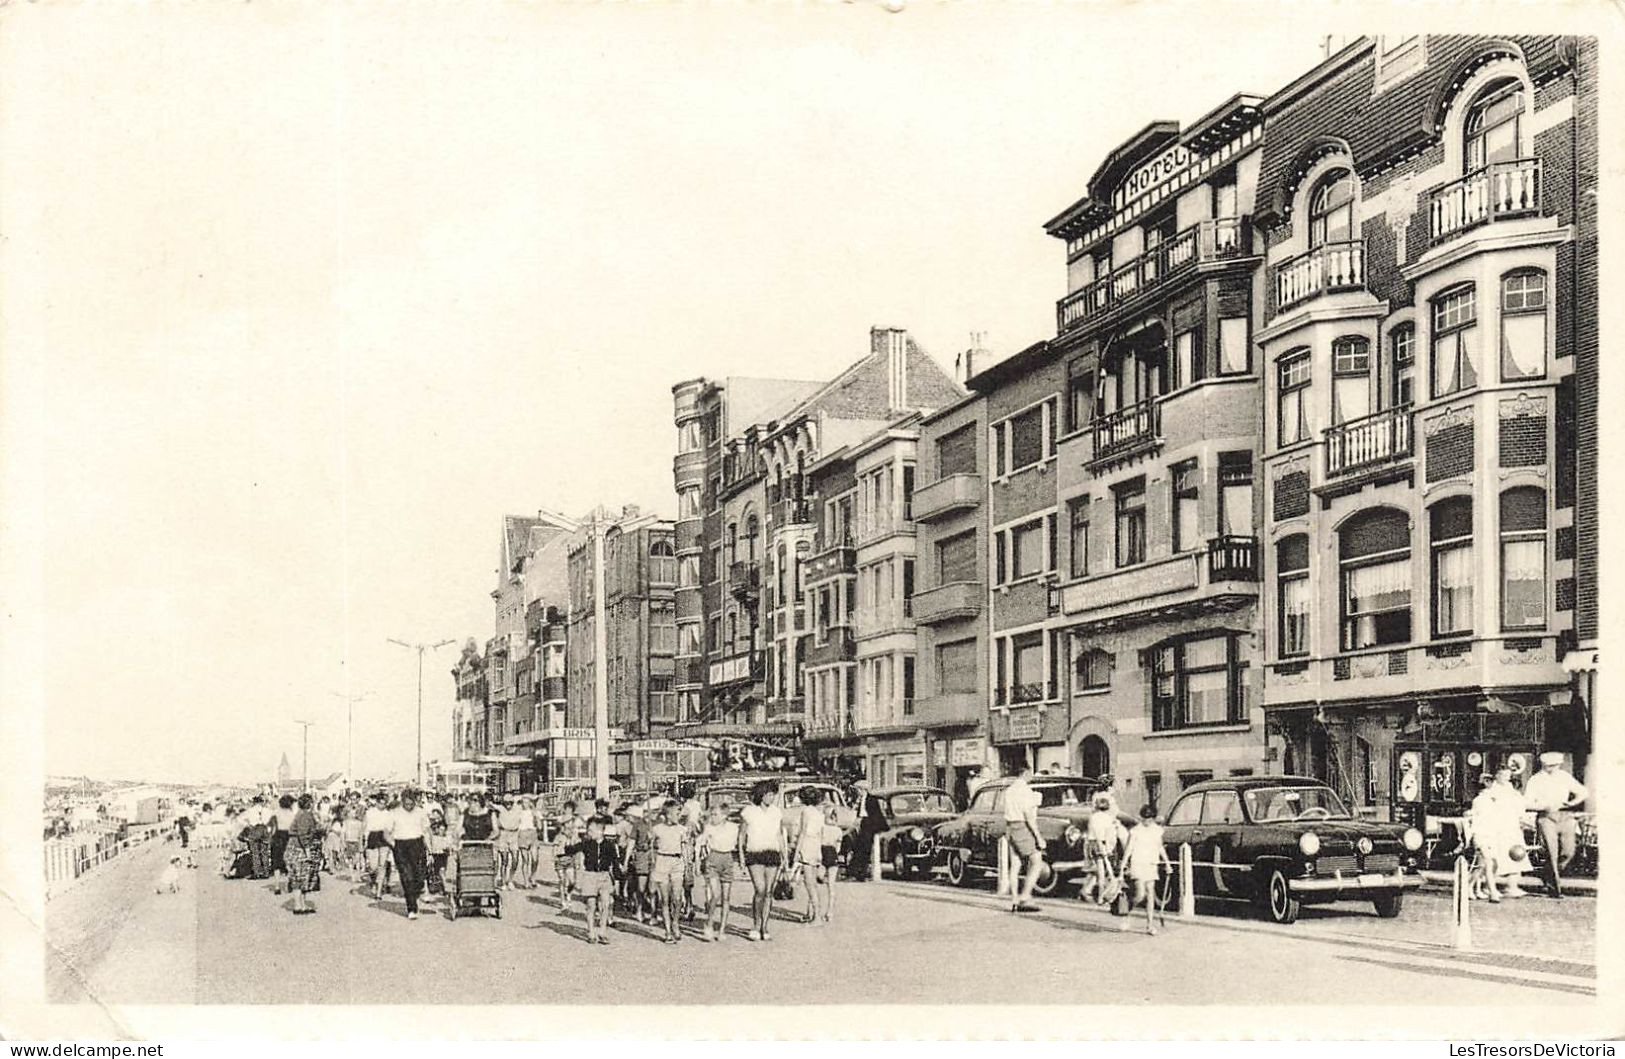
(971, 360)
(893, 342)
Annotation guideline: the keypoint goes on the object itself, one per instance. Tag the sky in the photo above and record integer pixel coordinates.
(316, 295)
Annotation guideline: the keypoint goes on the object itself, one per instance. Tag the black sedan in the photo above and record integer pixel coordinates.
(1284, 841)
(968, 844)
(908, 844)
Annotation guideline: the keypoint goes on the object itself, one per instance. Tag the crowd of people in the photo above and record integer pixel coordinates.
(661, 860)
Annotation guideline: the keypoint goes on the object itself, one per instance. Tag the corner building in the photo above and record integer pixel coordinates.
(1427, 210)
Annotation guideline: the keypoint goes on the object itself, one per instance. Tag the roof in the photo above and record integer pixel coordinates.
(1011, 367)
(907, 788)
(1245, 783)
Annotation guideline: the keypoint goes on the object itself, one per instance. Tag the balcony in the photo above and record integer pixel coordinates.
(946, 496)
(1325, 269)
(689, 672)
(1126, 430)
(1498, 191)
(736, 668)
(1232, 559)
(791, 512)
(553, 689)
(1216, 240)
(1371, 442)
(745, 580)
(950, 602)
(832, 562)
(1019, 693)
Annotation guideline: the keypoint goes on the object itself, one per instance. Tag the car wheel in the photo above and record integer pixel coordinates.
(958, 870)
(899, 865)
(1279, 903)
(1048, 882)
(1388, 905)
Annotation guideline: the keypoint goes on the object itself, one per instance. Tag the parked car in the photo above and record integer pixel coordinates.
(968, 844)
(733, 795)
(909, 844)
(1284, 841)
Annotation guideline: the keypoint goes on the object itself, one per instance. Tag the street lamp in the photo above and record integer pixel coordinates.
(420, 648)
(349, 731)
(304, 784)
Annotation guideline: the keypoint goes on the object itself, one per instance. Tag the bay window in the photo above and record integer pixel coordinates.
(1292, 574)
(1130, 500)
(1197, 683)
(1455, 341)
(688, 638)
(1187, 357)
(1235, 349)
(690, 437)
(688, 502)
(1375, 558)
(1351, 379)
(1292, 398)
(688, 571)
(1523, 326)
(1523, 558)
(1451, 529)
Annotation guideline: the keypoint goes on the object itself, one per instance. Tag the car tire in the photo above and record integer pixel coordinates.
(899, 865)
(1389, 905)
(1048, 882)
(1280, 905)
(958, 870)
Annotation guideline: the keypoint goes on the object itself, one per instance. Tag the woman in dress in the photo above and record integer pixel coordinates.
(302, 854)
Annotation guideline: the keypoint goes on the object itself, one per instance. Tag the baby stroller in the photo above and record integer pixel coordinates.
(476, 880)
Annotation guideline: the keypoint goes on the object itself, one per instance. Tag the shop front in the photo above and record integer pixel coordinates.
(954, 758)
(658, 764)
(1035, 734)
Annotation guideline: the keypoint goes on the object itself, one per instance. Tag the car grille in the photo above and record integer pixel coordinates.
(1384, 863)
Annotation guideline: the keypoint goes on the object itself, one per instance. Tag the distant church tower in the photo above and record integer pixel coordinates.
(282, 772)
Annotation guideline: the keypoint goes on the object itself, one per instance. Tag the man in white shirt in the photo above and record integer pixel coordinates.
(1552, 793)
(1021, 825)
(408, 824)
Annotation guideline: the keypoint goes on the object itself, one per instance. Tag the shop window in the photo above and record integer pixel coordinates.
(1331, 209)
(1451, 529)
(1375, 558)
(1130, 501)
(1292, 400)
(1455, 341)
(1186, 521)
(1197, 683)
(1351, 379)
(1523, 326)
(1292, 574)
(1523, 558)
(1493, 126)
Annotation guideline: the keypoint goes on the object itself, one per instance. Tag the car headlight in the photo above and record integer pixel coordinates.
(1412, 839)
(1363, 845)
(916, 833)
(1072, 835)
(1309, 843)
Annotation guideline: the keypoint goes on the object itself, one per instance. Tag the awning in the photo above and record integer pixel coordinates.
(1580, 661)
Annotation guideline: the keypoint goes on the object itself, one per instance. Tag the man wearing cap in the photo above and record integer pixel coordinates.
(871, 822)
(1552, 793)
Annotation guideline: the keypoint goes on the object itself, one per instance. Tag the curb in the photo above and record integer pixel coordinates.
(1534, 884)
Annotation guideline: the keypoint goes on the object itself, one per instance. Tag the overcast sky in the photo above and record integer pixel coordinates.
(325, 295)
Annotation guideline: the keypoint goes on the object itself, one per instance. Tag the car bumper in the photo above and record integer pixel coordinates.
(1354, 883)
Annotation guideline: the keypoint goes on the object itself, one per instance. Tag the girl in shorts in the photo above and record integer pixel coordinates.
(670, 840)
(761, 840)
(719, 848)
(830, 853)
(807, 849)
(378, 855)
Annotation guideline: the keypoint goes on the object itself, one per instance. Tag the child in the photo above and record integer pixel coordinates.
(593, 857)
(1143, 860)
(170, 880)
(1102, 833)
(719, 846)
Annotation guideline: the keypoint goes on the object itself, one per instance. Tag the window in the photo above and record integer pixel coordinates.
(956, 452)
(1196, 683)
(752, 531)
(956, 668)
(1027, 667)
(1186, 523)
(716, 562)
(1235, 494)
(1221, 808)
(690, 437)
(1374, 552)
(1292, 574)
(688, 571)
(1130, 498)
(1027, 550)
(1026, 443)
(908, 685)
(1187, 357)
(1152, 785)
(1078, 520)
(662, 630)
(1186, 811)
(1235, 351)
(908, 492)
(1450, 524)
(908, 588)
(713, 638)
(1292, 416)
(1091, 670)
(1455, 341)
(956, 558)
(1351, 379)
(1080, 385)
(662, 565)
(1523, 326)
(662, 700)
(1331, 209)
(1523, 558)
(1492, 127)
(688, 502)
(1402, 365)
(688, 638)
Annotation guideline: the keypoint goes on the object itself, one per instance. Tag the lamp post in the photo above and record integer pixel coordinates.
(349, 731)
(304, 783)
(420, 648)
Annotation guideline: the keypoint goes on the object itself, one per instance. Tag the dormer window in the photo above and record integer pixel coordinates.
(1331, 209)
(1493, 126)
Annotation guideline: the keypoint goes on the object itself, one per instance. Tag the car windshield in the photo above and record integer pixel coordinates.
(790, 796)
(1267, 804)
(921, 802)
(1054, 795)
(726, 797)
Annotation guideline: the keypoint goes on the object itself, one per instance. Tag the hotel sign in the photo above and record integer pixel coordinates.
(1026, 726)
(1161, 169)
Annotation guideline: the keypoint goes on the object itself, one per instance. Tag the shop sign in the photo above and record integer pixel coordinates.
(939, 753)
(581, 733)
(1026, 726)
(971, 751)
(1152, 175)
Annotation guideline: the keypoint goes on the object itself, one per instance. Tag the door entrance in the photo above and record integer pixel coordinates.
(1094, 757)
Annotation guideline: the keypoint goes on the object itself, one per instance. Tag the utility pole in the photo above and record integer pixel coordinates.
(349, 731)
(420, 648)
(304, 784)
(600, 669)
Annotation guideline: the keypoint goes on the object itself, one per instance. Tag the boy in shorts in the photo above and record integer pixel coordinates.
(593, 856)
(719, 851)
(669, 839)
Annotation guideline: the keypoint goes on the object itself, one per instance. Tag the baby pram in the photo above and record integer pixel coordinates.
(476, 879)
